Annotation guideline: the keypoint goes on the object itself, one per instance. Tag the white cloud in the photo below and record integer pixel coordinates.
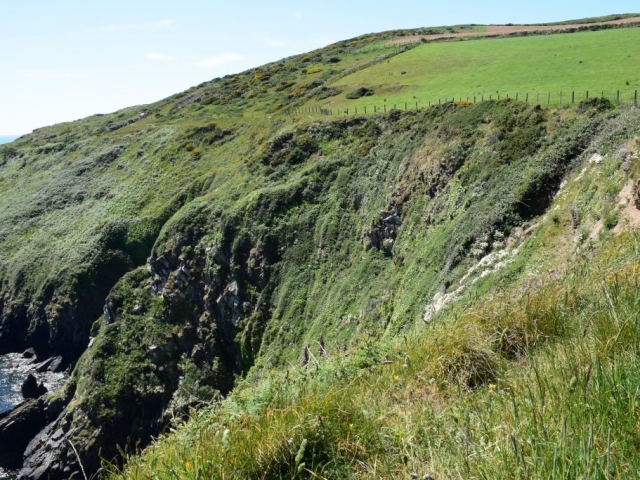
(158, 57)
(297, 15)
(220, 60)
(159, 25)
(276, 43)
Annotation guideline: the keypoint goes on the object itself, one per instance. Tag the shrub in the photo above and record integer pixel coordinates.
(597, 103)
(283, 86)
(313, 70)
(328, 92)
(196, 153)
(610, 220)
(360, 92)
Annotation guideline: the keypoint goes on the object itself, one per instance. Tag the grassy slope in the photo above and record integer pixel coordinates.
(593, 61)
(532, 373)
(604, 18)
(419, 415)
(54, 231)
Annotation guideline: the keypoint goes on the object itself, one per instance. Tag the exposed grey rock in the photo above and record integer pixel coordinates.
(29, 353)
(109, 316)
(384, 231)
(17, 428)
(57, 365)
(44, 366)
(137, 309)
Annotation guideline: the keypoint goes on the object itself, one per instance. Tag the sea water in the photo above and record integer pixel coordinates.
(7, 139)
(13, 371)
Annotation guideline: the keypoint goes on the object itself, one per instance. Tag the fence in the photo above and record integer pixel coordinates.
(560, 99)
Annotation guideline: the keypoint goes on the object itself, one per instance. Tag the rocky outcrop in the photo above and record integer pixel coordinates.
(384, 231)
(17, 428)
(30, 388)
(210, 292)
(20, 425)
(51, 326)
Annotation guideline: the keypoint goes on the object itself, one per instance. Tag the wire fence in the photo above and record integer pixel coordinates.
(563, 98)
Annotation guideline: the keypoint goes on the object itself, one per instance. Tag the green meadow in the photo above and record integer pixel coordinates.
(588, 61)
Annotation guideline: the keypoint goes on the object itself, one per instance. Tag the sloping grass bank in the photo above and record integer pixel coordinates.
(536, 385)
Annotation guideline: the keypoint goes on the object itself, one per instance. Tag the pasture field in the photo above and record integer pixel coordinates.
(589, 61)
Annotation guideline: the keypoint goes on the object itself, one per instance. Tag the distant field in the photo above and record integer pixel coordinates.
(594, 61)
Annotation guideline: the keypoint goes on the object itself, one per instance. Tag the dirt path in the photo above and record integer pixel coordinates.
(492, 30)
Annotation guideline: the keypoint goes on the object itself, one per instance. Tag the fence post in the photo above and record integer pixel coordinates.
(537, 99)
(365, 110)
(527, 99)
(618, 96)
(347, 110)
(489, 97)
(405, 106)
(560, 97)
(385, 108)
(549, 98)
(516, 97)
(573, 97)
(498, 97)
(356, 110)
(587, 95)
(474, 99)
(635, 98)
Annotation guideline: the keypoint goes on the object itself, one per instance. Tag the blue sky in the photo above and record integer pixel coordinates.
(66, 59)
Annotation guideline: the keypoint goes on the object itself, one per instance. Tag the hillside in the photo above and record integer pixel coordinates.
(232, 238)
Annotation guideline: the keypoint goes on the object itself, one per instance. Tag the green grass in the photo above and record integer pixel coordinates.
(593, 61)
(445, 404)
(542, 385)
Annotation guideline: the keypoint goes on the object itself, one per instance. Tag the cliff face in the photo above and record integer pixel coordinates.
(272, 240)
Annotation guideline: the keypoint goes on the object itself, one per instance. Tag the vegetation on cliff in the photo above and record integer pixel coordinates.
(444, 291)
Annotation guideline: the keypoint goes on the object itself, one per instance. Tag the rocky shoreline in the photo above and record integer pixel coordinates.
(19, 400)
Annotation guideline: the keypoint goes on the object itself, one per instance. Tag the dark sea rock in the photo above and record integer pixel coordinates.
(30, 388)
(17, 428)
